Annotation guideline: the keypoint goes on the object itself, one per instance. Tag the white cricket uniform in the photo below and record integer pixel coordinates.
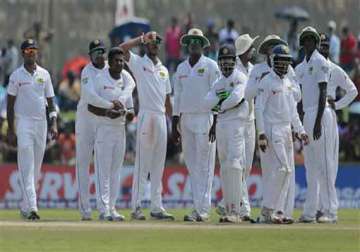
(258, 72)
(31, 91)
(230, 141)
(153, 85)
(275, 114)
(191, 85)
(320, 155)
(85, 129)
(338, 78)
(110, 139)
(250, 134)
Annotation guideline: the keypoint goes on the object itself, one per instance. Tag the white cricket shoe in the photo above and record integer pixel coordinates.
(116, 216)
(327, 219)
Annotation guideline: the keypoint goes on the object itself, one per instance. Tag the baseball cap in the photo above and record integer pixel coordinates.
(96, 44)
(29, 43)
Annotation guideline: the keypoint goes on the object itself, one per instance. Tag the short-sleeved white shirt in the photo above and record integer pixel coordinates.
(152, 81)
(111, 89)
(191, 85)
(31, 91)
(310, 74)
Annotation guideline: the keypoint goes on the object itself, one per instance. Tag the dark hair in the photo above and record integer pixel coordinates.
(114, 51)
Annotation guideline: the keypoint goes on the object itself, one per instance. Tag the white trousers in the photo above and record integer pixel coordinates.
(278, 168)
(109, 157)
(231, 152)
(151, 146)
(31, 140)
(321, 162)
(85, 129)
(250, 134)
(199, 155)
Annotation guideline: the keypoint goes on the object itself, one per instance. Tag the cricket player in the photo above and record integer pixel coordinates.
(153, 86)
(337, 78)
(193, 80)
(114, 84)
(276, 112)
(258, 72)
(320, 124)
(226, 97)
(245, 51)
(85, 127)
(29, 90)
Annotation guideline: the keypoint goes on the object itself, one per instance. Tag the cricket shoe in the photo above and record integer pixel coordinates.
(265, 216)
(202, 217)
(306, 219)
(86, 217)
(327, 220)
(193, 217)
(319, 214)
(116, 216)
(220, 210)
(105, 217)
(24, 215)
(33, 215)
(162, 215)
(231, 219)
(138, 215)
(287, 220)
(247, 218)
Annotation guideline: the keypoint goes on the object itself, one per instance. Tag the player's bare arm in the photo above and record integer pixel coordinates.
(320, 112)
(11, 137)
(53, 116)
(143, 39)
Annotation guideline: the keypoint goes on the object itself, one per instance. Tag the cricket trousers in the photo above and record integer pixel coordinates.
(151, 143)
(31, 140)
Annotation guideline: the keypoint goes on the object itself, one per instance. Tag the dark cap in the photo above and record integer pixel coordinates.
(29, 43)
(95, 45)
(227, 51)
(324, 39)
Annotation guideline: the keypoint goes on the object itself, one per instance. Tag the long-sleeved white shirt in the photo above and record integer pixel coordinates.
(230, 108)
(191, 85)
(258, 72)
(275, 103)
(246, 70)
(87, 91)
(339, 78)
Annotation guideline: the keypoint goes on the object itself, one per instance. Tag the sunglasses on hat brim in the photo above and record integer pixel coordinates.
(195, 41)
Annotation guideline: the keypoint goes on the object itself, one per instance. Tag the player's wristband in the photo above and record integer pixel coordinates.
(52, 115)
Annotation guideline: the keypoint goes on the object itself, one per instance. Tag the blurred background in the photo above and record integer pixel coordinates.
(64, 28)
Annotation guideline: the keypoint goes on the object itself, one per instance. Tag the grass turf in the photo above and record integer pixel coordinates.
(61, 230)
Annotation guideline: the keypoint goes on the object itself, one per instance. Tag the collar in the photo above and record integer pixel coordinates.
(201, 59)
(313, 56)
(26, 71)
(150, 61)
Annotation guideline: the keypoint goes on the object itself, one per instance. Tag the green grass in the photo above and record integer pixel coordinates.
(61, 230)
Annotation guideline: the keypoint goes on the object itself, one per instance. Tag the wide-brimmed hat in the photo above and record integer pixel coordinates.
(309, 31)
(194, 33)
(243, 43)
(270, 40)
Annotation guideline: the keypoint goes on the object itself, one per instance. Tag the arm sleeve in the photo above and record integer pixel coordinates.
(321, 71)
(168, 86)
(133, 62)
(260, 106)
(295, 120)
(177, 94)
(49, 90)
(252, 85)
(90, 95)
(126, 95)
(295, 84)
(211, 99)
(214, 73)
(351, 92)
(13, 86)
(235, 97)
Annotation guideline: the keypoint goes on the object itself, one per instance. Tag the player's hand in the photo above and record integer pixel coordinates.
(117, 105)
(212, 133)
(263, 142)
(11, 138)
(176, 136)
(305, 139)
(113, 114)
(317, 130)
(331, 102)
(54, 132)
(130, 116)
(149, 37)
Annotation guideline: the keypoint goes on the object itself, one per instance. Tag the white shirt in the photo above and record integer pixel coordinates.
(230, 108)
(339, 78)
(275, 103)
(88, 94)
(310, 74)
(153, 83)
(259, 71)
(246, 71)
(110, 89)
(31, 91)
(191, 85)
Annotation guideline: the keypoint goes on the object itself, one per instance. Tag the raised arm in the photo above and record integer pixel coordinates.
(143, 39)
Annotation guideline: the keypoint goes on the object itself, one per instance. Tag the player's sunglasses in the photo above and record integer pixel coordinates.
(156, 42)
(30, 50)
(195, 41)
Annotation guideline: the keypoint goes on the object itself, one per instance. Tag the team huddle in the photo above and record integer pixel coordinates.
(214, 109)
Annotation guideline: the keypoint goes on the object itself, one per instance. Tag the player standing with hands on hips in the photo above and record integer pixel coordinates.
(29, 90)
(193, 79)
(227, 99)
(153, 86)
